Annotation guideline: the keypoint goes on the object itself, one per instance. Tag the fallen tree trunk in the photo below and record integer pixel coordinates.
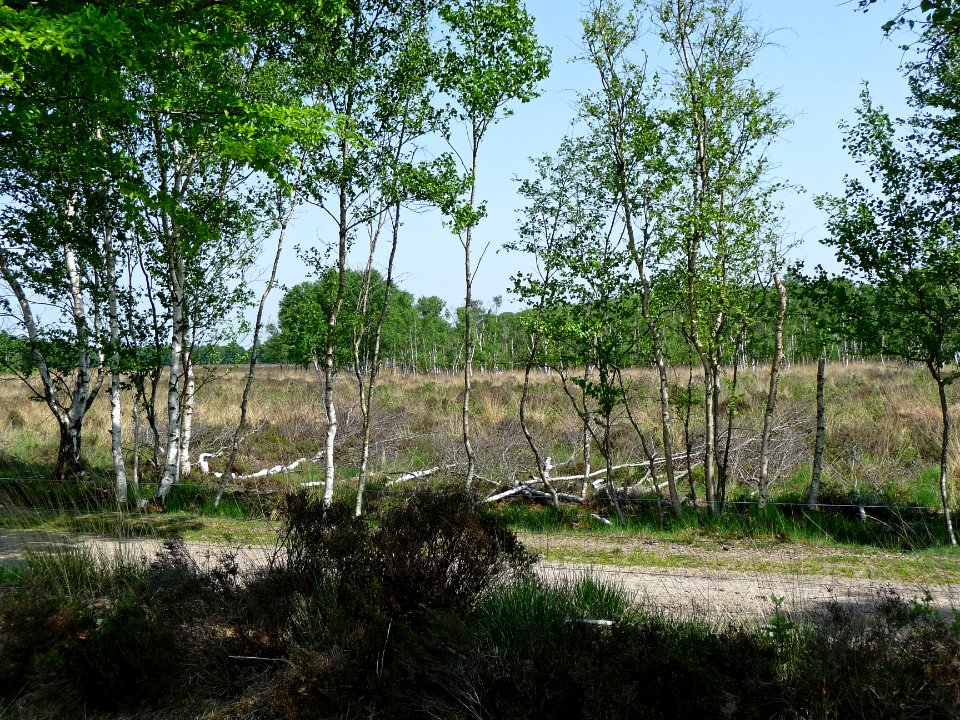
(204, 465)
(528, 491)
(420, 474)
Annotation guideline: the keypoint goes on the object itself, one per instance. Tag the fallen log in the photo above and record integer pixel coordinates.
(204, 465)
(420, 474)
(525, 489)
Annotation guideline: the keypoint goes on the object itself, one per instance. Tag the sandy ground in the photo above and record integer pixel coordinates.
(716, 594)
(728, 596)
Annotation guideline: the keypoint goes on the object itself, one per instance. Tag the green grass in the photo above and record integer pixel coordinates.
(508, 617)
(885, 528)
(935, 566)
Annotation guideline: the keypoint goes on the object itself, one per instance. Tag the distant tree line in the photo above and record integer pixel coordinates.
(423, 336)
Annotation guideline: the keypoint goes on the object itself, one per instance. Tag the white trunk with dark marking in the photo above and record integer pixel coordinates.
(329, 365)
(186, 416)
(171, 464)
(944, 456)
(116, 411)
(468, 327)
(331, 436)
(585, 484)
(76, 411)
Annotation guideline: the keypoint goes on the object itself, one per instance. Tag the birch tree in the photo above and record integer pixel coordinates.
(212, 128)
(403, 114)
(775, 363)
(490, 59)
(585, 294)
(62, 214)
(346, 65)
(897, 230)
(720, 131)
(623, 115)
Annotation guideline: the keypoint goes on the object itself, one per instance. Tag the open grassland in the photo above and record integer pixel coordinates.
(882, 448)
(745, 613)
(883, 426)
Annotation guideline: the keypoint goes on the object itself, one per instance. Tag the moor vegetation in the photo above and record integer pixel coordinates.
(886, 476)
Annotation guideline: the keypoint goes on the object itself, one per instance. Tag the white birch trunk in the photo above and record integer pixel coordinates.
(116, 411)
(172, 458)
(468, 326)
(186, 419)
(85, 391)
(331, 411)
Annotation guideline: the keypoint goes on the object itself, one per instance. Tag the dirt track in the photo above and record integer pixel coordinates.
(728, 596)
(717, 594)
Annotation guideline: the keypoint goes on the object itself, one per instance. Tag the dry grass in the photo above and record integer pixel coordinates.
(882, 432)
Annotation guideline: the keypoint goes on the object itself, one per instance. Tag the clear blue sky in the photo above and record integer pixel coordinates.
(821, 52)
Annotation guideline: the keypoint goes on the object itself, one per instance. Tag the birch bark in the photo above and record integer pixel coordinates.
(116, 410)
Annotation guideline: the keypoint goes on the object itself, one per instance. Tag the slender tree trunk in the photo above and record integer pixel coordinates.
(255, 349)
(468, 328)
(686, 432)
(135, 460)
(329, 365)
(710, 433)
(331, 434)
(171, 465)
(69, 463)
(814, 497)
(608, 477)
(186, 415)
(585, 485)
(772, 392)
(116, 411)
(944, 454)
(724, 464)
(656, 339)
(85, 391)
(374, 373)
(361, 362)
(666, 422)
(543, 465)
(717, 383)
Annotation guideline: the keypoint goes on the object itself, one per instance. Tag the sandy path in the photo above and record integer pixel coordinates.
(730, 596)
(714, 593)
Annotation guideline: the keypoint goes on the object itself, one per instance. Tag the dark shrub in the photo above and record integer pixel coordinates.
(378, 613)
(436, 553)
(439, 552)
(900, 661)
(126, 656)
